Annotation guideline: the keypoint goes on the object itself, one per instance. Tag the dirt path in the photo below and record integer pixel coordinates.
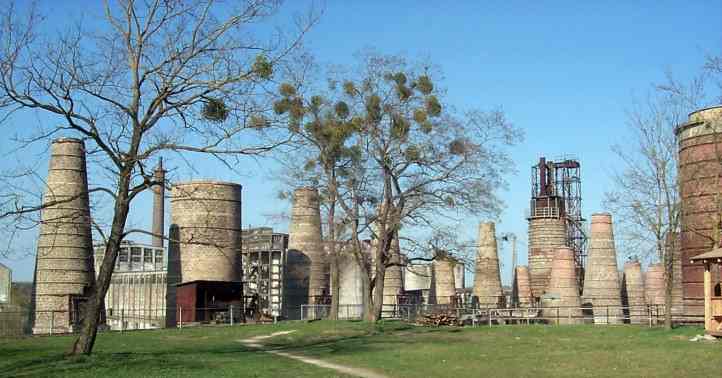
(255, 342)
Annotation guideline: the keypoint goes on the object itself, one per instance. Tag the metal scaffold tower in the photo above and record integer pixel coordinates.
(557, 193)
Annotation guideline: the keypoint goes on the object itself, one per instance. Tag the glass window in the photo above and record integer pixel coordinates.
(123, 255)
(135, 254)
(147, 255)
(158, 256)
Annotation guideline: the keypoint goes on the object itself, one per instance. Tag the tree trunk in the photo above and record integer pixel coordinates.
(85, 341)
(668, 286)
(335, 289)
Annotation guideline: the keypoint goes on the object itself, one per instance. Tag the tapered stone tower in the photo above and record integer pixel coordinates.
(562, 304)
(522, 288)
(633, 295)
(601, 279)
(208, 217)
(487, 279)
(393, 280)
(305, 240)
(654, 286)
(64, 261)
(443, 280)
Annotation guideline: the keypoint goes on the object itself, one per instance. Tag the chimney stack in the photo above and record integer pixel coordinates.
(601, 279)
(158, 205)
(487, 279)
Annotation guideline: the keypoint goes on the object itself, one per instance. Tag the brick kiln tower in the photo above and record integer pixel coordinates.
(554, 218)
(487, 278)
(699, 142)
(208, 217)
(522, 289)
(562, 304)
(64, 261)
(633, 295)
(654, 286)
(393, 279)
(306, 250)
(601, 282)
(442, 280)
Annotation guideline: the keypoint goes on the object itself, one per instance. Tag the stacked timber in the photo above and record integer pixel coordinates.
(633, 295)
(562, 304)
(487, 279)
(601, 280)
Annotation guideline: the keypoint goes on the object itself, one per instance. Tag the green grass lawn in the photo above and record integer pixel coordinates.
(392, 348)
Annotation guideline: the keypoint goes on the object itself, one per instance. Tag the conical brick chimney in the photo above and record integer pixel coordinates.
(601, 279)
(522, 289)
(487, 279)
(633, 295)
(562, 304)
(443, 280)
(64, 263)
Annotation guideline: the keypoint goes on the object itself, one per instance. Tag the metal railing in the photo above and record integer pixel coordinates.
(18, 323)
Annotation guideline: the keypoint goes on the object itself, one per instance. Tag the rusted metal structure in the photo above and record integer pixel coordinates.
(601, 282)
(487, 278)
(158, 227)
(203, 301)
(64, 260)
(263, 259)
(633, 294)
(554, 218)
(561, 302)
(700, 167)
(208, 217)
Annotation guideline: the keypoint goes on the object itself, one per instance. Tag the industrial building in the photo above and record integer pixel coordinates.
(6, 282)
(136, 297)
(264, 258)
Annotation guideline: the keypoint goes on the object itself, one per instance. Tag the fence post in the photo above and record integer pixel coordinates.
(180, 316)
(231, 314)
(557, 315)
(607, 309)
(649, 316)
(52, 321)
(569, 315)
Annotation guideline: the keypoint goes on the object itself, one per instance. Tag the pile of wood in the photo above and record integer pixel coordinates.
(439, 319)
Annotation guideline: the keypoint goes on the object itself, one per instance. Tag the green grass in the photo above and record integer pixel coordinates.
(392, 348)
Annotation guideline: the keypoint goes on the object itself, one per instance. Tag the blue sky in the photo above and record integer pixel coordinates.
(564, 72)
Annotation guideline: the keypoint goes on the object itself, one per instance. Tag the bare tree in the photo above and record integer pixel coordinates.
(413, 160)
(158, 77)
(645, 197)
